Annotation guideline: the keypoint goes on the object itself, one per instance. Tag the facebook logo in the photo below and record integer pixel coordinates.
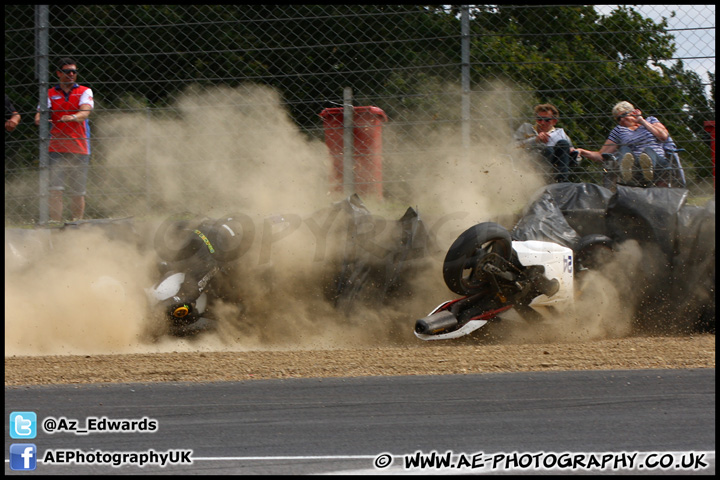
(23, 425)
(23, 456)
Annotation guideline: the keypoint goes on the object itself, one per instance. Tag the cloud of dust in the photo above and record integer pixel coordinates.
(228, 150)
(80, 297)
(491, 178)
(221, 150)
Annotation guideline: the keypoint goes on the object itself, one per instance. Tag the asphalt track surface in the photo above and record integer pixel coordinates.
(344, 425)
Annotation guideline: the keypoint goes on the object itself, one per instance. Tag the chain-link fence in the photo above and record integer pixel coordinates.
(206, 107)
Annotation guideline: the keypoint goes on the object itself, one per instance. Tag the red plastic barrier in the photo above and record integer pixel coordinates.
(367, 145)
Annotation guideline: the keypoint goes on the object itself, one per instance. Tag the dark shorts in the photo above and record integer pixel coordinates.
(68, 172)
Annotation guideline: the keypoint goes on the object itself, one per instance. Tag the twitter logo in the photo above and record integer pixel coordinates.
(23, 425)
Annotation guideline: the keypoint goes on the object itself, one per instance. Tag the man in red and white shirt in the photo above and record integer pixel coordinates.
(70, 106)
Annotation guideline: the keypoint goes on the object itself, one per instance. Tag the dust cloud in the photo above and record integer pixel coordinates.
(223, 151)
(77, 295)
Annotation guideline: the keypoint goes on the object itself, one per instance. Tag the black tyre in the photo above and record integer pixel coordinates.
(467, 252)
(593, 251)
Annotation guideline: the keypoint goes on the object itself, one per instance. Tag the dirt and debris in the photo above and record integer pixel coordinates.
(423, 359)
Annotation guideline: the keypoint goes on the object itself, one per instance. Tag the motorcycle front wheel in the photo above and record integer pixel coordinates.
(461, 268)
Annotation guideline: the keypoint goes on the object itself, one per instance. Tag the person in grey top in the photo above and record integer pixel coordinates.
(548, 141)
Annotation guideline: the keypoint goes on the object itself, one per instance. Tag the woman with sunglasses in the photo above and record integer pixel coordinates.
(547, 141)
(70, 105)
(639, 143)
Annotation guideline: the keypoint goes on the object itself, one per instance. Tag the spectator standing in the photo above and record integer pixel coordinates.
(70, 106)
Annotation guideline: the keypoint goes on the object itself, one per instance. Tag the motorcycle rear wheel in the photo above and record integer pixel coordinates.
(465, 255)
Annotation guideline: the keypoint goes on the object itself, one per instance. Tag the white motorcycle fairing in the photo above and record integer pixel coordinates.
(169, 288)
(166, 288)
(558, 263)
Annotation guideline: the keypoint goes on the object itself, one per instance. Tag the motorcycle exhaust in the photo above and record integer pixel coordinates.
(436, 323)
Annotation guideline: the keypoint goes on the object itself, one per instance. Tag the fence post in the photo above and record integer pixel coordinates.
(42, 27)
(348, 142)
(148, 141)
(465, 67)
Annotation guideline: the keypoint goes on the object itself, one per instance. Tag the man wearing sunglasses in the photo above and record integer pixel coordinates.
(70, 106)
(637, 142)
(549, 142)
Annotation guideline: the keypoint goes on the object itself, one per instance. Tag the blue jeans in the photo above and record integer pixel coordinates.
(661, 165)
(559, 157)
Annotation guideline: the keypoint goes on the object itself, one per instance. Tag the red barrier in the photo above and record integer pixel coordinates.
(367, 145)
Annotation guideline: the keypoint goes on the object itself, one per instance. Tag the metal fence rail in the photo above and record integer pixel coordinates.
(208, 107)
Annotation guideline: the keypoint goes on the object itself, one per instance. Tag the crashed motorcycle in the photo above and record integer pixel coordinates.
(567, 230)
(196, 269)
(495, 275)
(201, 262)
